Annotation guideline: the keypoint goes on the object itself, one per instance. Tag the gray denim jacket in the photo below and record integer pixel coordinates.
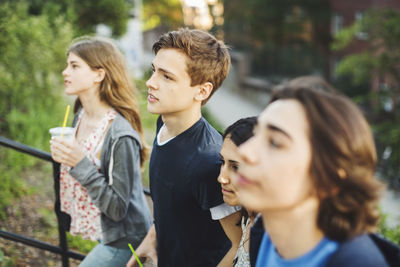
(117, 189)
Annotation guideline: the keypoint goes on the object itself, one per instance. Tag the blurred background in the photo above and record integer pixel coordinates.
(352, 44)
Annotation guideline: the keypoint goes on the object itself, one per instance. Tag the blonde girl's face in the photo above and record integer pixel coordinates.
(230, 164)
(79, 77)
(274, 170)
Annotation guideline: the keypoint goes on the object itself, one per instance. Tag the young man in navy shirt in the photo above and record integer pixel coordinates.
(189, 66)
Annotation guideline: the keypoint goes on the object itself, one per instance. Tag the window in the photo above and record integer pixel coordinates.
(358, 16)
(337, 23)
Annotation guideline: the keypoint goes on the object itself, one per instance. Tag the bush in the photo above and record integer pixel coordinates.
(5, 261)
(391, 233)
(32, 56)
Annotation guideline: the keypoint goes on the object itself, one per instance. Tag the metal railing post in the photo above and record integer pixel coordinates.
(61, 231)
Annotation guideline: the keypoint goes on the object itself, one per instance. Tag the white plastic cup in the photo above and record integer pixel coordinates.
(68, 133)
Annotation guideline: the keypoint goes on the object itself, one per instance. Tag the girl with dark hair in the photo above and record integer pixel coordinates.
(234, 136)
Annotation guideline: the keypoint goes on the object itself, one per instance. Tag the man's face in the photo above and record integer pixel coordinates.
(170, 92)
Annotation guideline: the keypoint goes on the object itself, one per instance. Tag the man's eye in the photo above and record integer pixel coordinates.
(167, 77)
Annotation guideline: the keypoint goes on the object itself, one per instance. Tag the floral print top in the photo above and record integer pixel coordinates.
(85, 216)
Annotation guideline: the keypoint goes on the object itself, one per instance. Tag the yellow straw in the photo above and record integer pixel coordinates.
(65, 120)
(133, 251)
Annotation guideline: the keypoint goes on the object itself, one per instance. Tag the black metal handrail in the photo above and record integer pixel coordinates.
(62, 249)
(39, 244)
(25, 149)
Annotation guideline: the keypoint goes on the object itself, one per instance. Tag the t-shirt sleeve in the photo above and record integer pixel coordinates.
(223, 210)
(205, 187)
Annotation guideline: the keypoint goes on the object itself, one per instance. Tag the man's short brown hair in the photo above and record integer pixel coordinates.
(208, 59)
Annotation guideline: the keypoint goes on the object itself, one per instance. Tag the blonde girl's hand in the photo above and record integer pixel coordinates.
(66, 152)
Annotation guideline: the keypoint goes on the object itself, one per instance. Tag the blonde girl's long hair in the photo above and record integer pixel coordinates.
(117, 88)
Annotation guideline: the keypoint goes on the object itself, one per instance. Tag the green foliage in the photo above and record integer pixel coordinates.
(391, 233)
(48, 218)
(32, 56)
(378, 62)
(148, 120)
(383, 53)
(345, 36)
(166, 13)
(84, 15)
(80, 244)
(5, 261)
(359, 65)
(114, 13)
(214, 123)
(11, 186)
(275, 32)
(387, 135)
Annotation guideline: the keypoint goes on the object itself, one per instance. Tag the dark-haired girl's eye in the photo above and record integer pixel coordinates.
(234, 167)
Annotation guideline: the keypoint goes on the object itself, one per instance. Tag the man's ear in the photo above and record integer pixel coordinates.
(204, 91)
(100, 75)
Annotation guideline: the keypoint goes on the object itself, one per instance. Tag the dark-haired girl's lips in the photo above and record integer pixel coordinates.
(226, 192)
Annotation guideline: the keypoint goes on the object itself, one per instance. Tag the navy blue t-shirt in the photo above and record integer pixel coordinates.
(184, 186)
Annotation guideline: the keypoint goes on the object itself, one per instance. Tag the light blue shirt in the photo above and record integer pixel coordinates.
(318, 256)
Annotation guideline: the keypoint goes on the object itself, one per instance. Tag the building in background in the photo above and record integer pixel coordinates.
(344, 14)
